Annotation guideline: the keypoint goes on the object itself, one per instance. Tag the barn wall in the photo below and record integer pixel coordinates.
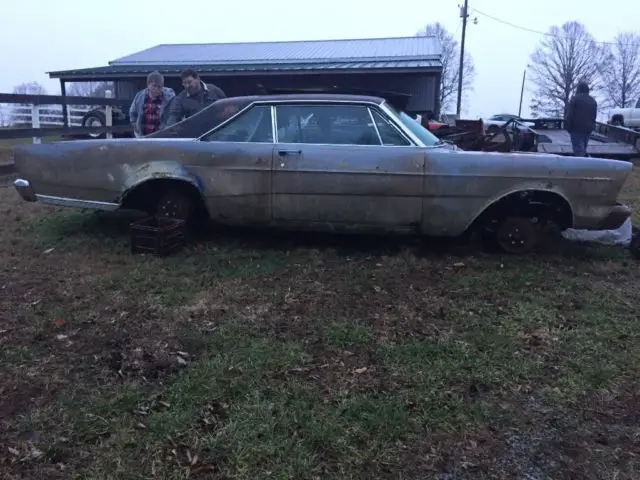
(423, 87)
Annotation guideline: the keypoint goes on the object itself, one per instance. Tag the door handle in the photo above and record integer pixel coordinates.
(289, 153)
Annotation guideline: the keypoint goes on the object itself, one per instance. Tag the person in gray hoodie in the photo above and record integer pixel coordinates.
(149, 109)
(580, 119)
(195, 96)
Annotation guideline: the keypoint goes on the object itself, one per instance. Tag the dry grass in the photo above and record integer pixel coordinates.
(254, 355)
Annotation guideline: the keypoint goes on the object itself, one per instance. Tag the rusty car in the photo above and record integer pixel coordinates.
(326, 162)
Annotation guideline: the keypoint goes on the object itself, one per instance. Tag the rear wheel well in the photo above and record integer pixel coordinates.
(145, 196)
(544, 205)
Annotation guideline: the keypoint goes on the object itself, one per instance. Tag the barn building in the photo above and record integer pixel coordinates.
(407, 65)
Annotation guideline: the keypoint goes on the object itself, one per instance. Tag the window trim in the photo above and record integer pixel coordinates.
(375, 127)
(273, 103)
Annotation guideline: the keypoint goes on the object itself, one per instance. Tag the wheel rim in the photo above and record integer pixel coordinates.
(173, 207)
(517, 235)
(94, 122)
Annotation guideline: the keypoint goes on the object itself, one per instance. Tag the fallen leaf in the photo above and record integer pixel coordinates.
(181, 361)
(13, 451)
(360, 370)
(61, 337)
(458, 264)
(49, 250)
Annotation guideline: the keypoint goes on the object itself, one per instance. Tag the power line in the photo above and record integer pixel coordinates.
(530, 30)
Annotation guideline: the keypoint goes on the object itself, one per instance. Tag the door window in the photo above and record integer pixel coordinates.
(326, 124)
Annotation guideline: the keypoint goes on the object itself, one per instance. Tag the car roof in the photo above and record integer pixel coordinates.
(288, 97)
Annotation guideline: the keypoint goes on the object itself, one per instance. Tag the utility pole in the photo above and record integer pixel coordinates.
(524, 77)
(464, 13)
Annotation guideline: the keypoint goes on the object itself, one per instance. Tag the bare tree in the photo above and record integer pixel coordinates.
(620, 71)
(30, 88)
(451, 65)
(88, 89)
(567, 55)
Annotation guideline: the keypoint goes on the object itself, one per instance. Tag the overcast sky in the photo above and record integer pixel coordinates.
(43, 35)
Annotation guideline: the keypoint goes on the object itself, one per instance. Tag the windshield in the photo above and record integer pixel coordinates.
(428, 138)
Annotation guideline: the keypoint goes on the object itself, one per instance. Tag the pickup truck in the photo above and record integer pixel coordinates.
(626, 117)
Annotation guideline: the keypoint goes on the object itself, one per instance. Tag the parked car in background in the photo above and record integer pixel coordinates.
(326, 162)
(626, 117)
(495, 122)
(96, 117)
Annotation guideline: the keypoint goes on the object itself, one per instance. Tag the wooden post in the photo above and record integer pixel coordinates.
(35, 120)
(65, 111)
(108, 113)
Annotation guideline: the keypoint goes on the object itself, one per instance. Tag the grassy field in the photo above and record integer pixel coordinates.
(254, 355)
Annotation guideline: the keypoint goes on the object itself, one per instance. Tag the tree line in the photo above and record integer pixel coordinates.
(565, 55)
(569, 53)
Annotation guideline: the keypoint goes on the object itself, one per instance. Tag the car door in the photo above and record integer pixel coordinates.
(234, 165)
(331, 170)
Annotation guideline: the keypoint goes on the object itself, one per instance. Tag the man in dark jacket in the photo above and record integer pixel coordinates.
(580, 119)
(195, 96)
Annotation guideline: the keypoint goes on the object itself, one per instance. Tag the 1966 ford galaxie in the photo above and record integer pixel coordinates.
(343, 163)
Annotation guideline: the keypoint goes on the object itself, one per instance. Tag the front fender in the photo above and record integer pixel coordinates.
(135, 175)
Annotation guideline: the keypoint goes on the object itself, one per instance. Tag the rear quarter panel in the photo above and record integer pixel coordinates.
(460, 185)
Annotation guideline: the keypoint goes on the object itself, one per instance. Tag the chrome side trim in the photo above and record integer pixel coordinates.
(77, 203)
(274, 124)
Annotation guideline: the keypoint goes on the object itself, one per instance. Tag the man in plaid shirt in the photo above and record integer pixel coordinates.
(149, 109)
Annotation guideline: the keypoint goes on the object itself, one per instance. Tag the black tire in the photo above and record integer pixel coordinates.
(617, 121)
(94, 118)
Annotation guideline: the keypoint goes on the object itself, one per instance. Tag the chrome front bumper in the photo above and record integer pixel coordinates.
(24, 189)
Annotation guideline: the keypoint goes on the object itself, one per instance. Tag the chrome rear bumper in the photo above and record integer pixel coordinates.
(24, 189)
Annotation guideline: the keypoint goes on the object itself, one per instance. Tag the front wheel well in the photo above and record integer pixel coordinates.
(145, 196)
(542, 204)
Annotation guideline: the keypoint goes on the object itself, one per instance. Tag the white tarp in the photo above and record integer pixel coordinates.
(620, 236)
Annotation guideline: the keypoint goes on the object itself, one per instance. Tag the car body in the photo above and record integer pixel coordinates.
(356, 165)
(495, 122)
(626, 117)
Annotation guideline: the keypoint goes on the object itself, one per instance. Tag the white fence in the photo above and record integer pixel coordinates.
(47, 115)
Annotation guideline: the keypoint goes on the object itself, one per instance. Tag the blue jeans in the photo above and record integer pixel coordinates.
(579, 143)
